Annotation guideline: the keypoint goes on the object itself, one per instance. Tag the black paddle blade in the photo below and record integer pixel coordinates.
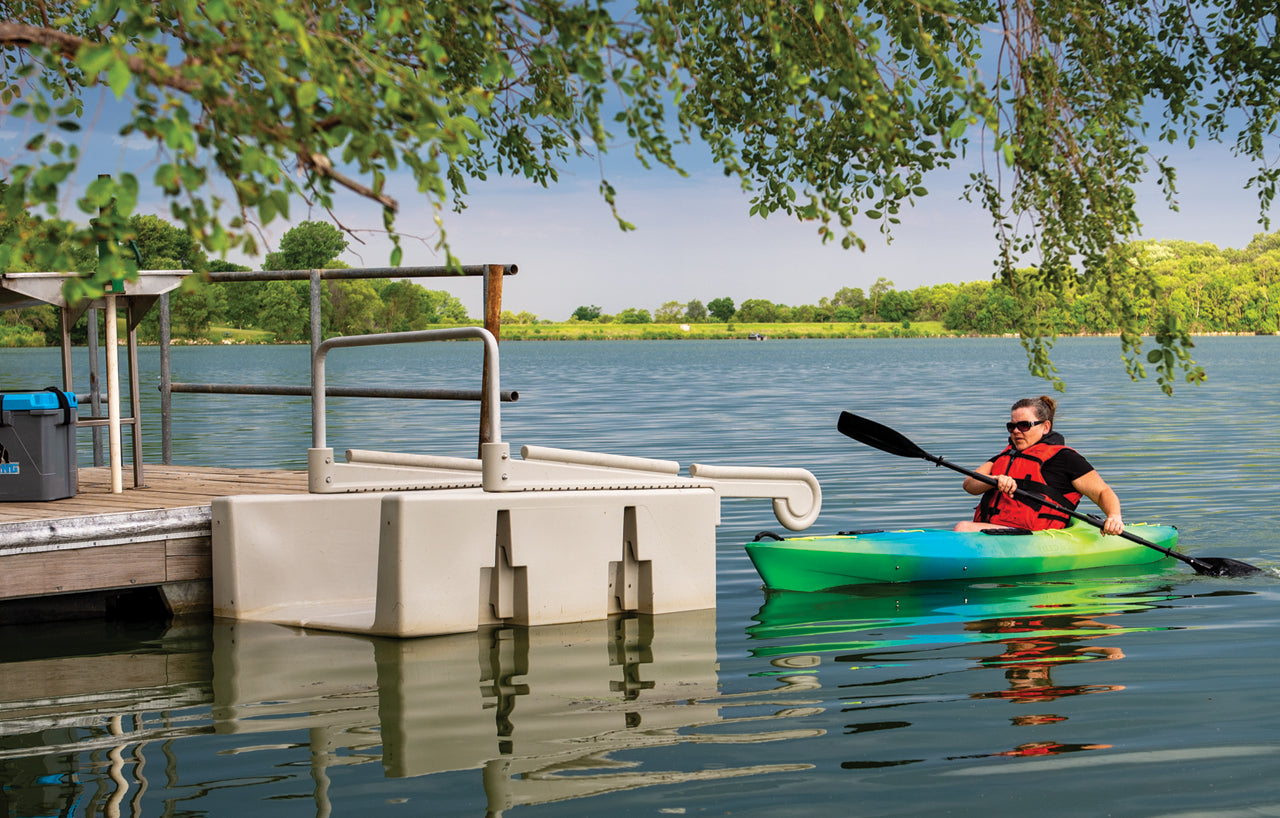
(878, 436)
(1223, 567)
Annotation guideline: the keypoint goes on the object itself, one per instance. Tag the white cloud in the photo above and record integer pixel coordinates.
(133, 142)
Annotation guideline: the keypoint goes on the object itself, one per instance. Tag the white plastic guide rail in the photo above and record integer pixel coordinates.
(796, 495)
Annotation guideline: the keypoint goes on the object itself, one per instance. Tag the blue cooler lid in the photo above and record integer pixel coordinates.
(29, 401)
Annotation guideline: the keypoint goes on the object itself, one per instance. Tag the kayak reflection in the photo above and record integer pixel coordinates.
(1039, 642)
(900, 640)
(1039, 624)
(877, 617)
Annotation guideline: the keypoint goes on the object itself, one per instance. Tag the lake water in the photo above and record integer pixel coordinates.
(1147, 694)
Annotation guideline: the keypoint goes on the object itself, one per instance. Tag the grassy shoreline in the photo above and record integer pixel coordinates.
(577, 331)
(586, 331)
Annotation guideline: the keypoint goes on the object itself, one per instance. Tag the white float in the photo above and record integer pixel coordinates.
(406, 545)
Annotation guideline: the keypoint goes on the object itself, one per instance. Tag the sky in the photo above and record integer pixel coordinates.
(694, 238)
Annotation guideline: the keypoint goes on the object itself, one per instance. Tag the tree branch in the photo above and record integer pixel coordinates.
(68, 46)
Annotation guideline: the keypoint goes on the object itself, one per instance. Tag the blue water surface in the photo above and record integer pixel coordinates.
(1138, 694)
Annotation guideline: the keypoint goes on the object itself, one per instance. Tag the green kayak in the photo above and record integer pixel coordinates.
(858, 558)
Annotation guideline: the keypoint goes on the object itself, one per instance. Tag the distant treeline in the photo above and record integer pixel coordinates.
(1209, 290)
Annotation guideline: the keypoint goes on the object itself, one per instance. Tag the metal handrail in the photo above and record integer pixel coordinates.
(492, 273)
(285, 390)
(489, 385)
(350, 273)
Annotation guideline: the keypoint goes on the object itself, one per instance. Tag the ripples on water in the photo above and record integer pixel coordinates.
(1075, 695)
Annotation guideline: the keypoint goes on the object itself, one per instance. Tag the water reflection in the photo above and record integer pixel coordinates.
(546, 714)
(1037, 643)
(83, 704)
(902, 640)
(542, 711)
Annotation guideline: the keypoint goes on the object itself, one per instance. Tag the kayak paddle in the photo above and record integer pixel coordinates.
(887, 440)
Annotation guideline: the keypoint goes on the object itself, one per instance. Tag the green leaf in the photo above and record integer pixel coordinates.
(100, 192)
(308, 94)
(126, 194)
(94, 59)
(118, 77)
(167, 179)
(284, 20)
(266, 209)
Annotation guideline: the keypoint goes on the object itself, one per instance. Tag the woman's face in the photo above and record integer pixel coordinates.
(1030, 437)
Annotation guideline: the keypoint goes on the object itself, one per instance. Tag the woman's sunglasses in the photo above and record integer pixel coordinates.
(1022, 425)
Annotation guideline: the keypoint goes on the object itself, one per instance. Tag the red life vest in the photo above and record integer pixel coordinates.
(1026, 467)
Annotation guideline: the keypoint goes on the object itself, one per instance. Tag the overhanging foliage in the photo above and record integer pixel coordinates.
(835, 113)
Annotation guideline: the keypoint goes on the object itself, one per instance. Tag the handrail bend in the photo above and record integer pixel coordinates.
(490, 385)
(796, 495)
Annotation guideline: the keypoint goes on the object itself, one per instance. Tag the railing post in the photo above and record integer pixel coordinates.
(68, 377)
(492, 323)
(166, 380)
(95, 385)
(316, 335)
(135, 400)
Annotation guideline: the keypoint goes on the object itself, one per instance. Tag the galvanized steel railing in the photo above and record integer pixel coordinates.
(492, 274)
(489, 389)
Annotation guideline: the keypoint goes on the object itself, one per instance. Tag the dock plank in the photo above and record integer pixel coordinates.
(48, 558)
(115, 566)
(166, 487)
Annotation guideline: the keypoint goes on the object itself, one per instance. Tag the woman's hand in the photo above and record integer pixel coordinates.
(1113, 525)
(1093, 487)
(1006, 485)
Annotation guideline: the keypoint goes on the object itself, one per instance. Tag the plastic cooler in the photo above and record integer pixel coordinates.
(37, 445)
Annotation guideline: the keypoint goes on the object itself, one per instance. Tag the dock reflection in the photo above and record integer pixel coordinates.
(82, 704)
(541, 711)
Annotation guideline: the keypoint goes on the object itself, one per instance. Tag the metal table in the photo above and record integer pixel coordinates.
(18, 290)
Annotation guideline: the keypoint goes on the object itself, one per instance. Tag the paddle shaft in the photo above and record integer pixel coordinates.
(1035, 499)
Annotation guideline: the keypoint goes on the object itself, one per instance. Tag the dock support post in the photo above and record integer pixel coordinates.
(95, 382)
(493, 323)
(135, 398)
(113, 395)
(166, 380)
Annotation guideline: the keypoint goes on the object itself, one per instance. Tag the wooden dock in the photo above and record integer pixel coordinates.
(85, 555)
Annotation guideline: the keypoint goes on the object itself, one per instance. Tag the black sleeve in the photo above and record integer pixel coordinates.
(1064, 467)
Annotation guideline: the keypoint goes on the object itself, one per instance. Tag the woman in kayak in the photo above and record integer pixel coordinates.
(1037, 461)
